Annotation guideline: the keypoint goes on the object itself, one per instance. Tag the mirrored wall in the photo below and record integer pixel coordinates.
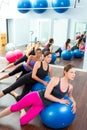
(24, 31)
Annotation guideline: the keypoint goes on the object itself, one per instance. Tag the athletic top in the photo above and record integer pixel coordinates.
(32, 62)
(41, 73)
(32, 52)
(56, 92)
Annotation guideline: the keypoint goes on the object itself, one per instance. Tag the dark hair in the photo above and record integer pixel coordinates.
(67, 43)
(38, 49)
(46, 53)
(37, 42)
(68, 67)
(51, 40)
(79, 41)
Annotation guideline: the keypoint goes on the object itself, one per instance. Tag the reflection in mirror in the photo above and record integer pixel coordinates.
(25, 31)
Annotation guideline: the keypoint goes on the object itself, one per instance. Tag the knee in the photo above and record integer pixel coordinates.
(23, 121)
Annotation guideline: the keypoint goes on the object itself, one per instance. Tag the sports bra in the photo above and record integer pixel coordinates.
(32, 62)
(56, 92)
(41, 73)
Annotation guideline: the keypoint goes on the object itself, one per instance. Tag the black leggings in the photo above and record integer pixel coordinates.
(17, 70)
(25, 80)
(23, 58)
(58, 51)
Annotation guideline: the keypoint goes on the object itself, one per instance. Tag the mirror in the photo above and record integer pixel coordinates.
(23, 31)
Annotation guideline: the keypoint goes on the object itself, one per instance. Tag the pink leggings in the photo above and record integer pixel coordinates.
(32, 99)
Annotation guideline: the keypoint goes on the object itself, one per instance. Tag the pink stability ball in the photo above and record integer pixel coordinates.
(83, 48)
(10, 56)
(18, 54)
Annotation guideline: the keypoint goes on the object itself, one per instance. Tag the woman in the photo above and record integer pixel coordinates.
(66, 46)
(41, 70)
(49, 46)
(83, 36)
(30, 51)
(25, 67)
(55, 92)
(78, 45)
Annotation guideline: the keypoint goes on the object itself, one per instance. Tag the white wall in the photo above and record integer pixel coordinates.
(2, 25)
(60, 31)
(9, 10)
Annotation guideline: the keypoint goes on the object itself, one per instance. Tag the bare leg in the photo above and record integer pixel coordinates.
(14, 94)
(7, 67)
(5, 112)
(4, 77)
(1, 94)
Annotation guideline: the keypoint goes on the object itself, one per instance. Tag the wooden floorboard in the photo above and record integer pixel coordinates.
(11, 122)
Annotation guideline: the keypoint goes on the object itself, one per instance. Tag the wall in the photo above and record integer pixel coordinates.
(8, 9)
(2, 25)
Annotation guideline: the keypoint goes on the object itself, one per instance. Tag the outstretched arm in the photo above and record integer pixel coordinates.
(72, 98)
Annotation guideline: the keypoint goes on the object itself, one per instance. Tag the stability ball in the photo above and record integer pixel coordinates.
(40, 86)
(66, 55)
(18, 54)
(77, 36)
(57, 115)
(23, 6)
(83, 48)
(78, 53)
(60, 6)
(54, 57)
(39, 6)
(10, 56)
(10, 47)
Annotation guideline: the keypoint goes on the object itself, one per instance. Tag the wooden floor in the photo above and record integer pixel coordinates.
(11, 122)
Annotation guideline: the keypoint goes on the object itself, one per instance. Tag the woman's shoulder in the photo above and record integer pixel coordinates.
(31, 57)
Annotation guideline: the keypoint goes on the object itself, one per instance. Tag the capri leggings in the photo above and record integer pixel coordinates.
(18, 69)
(23, 58)
(31, 100)
(25, 80)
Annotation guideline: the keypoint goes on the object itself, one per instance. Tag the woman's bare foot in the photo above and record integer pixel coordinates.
(2, 70)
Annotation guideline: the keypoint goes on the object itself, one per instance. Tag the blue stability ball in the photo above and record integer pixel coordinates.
(78, 54)
(57, 115)
(61, 4)
(66, 55)
(23, 6)
(40, 6)
(54, 57)
(40, 86)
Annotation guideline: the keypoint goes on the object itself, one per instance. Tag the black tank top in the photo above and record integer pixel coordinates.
(32, 52)
(41, 73)
(56, 92)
